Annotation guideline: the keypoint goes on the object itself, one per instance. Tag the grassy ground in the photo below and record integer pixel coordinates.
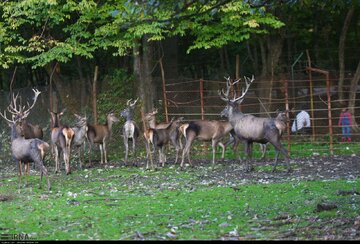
(129, 203)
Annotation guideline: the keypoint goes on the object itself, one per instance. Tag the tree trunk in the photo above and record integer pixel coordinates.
(352, 96)
(142, 71)
(66, 94)
(341, 54)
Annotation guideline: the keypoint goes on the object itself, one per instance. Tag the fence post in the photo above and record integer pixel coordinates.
(287, 114)
(202, 98)
(328, 86)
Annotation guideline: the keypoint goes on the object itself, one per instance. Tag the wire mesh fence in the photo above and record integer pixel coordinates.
(199, 99)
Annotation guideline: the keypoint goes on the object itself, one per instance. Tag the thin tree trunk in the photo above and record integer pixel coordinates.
(94, 91)
(341, 54)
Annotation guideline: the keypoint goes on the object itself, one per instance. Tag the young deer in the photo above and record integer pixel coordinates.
(61, 139)
(161, 137)
(150, 118)
(100, 134)
(205, 130)
(249, 128)
(80, 129)
(27, 150)
(130, 129)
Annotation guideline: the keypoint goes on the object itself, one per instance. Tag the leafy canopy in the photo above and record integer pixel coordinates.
(41, 31)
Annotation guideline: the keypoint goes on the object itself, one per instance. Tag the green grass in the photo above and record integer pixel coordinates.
(117, 203)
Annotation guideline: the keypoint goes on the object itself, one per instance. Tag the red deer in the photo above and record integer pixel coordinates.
(29, 130)
(27, 150)
(130, 129)
(80, 130)
(161, 137)
(205, 130)
(249, 128)
(175, 139)
(100, 134)
(61, 139)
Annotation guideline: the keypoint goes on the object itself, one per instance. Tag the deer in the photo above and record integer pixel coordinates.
(61, 140)
(159, 138)
(205, 130)
(281, 120)
(29, 130)
(100, 134)
(249, 128)
(80, 135)
(26, 150)
(130, 129)
(150, 118)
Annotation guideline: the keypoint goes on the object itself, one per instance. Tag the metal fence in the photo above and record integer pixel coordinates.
(199, 99)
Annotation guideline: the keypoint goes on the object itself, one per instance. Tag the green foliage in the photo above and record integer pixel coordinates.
(39, 32)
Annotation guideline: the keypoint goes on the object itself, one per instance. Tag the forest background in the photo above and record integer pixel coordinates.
(121, 49)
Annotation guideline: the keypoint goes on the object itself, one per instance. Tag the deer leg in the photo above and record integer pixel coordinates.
(214, 144)
(133, 150)
(281, 149)
(66, 161)
(263, 150)
(56, 153)
(19, 176)
(105, 152)
(101, 153)
(126, 143)
(223, 150)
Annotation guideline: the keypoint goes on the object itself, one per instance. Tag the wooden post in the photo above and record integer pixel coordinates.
(164, 90)
(237, 75)
(202, 98)
(94, 94)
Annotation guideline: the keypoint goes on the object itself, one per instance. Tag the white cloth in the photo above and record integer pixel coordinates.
(302, 120)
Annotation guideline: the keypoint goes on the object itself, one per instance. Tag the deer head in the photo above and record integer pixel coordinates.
(233, 102)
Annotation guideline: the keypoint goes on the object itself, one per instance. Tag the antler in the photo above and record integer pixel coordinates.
(27, 112)
(128, 103)
(225, 95)
(18, 112)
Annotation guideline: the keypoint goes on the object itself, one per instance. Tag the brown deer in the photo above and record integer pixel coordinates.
(159, 138)
(61, 139)
(150, 118)
(100, 134)
(26, 150)
(249, 128)
(205, 130)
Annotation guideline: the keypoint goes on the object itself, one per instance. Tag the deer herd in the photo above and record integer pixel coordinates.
(28, 146)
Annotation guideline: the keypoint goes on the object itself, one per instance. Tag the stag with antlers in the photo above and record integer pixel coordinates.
(130, 129)
(249, 128)
(26, 150)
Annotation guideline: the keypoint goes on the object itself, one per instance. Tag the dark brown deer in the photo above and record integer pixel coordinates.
(130, 129)
(205, 130)
(249, 128)
(61, 139)
(27, 150)
(80, 129)
(100, 134)
(159, 138)
(175, 140)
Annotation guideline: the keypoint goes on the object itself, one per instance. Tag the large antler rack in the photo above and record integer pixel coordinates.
(19, 112)
(225, 95)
